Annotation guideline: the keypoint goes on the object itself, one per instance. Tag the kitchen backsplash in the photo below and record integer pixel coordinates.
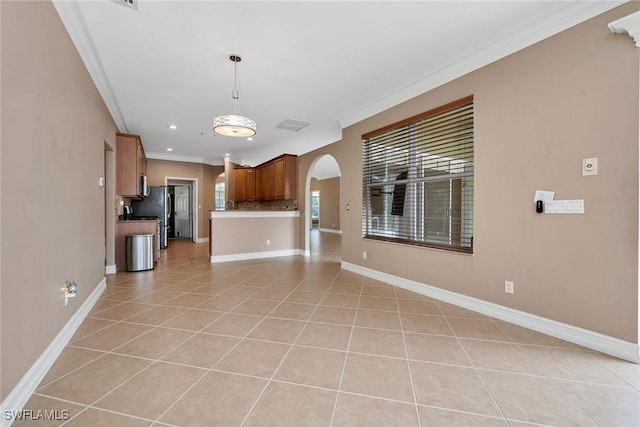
(276, 205)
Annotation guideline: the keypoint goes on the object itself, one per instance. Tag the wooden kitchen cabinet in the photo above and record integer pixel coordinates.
(244, 183)
(261, 189)
(131, 165)
(277, 178)
(269, 184)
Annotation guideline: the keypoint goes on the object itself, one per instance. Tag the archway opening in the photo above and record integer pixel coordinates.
(322, 191)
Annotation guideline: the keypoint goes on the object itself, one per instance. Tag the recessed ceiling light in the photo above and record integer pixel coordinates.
(169, 149)
(249, 139)
(173, 127)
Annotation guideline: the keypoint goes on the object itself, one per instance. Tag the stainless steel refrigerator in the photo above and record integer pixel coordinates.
(156, 204)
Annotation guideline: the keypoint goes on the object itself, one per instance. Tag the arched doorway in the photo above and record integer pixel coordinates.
(323, 181)
(220, 192)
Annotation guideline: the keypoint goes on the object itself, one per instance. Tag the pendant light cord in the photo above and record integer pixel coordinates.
(234, 93)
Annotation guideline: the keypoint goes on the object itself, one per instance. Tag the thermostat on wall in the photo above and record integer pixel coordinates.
(590, 166)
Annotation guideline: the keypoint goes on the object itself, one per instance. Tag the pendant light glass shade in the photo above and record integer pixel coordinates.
(234, 124)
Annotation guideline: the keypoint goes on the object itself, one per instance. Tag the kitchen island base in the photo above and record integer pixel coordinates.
(243, 235)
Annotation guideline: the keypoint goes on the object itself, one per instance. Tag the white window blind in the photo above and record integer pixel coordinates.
(418, 179)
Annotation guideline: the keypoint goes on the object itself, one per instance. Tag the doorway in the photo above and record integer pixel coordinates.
(323, 178)
(183, 219)
(219, 193)
(315, 209)
(110, 211)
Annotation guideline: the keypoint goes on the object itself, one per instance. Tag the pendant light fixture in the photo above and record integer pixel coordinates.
(234, 124)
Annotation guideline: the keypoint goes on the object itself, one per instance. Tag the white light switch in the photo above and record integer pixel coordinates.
(590, 166)
(565, 207)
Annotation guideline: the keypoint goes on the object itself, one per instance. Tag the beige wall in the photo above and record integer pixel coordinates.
(314, 184)
(209, 176)
(54, 129)
(233, 236)
(206, 175)
(329, 202)
(538, 112)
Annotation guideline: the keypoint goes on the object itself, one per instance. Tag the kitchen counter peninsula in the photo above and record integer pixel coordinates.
(238, 235)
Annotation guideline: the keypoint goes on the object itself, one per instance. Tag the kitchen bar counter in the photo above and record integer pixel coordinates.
(255, 214)
(238, 235)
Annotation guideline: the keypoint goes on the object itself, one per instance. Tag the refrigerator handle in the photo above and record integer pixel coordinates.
(168, 206)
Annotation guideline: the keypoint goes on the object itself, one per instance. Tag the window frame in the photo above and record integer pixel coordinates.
(416, 221)
(219, 195)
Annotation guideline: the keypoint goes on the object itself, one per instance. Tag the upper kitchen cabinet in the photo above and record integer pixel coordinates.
(277, 179)
(244, 183)
(131, 165)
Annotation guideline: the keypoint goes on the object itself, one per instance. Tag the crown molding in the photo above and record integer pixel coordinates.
(546, 27)
(178, 158)
(71, 16)
(630, 24)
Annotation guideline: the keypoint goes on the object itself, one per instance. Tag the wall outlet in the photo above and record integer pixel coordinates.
(508, 287)
(364, 254)
(70, 291)
(268, 242)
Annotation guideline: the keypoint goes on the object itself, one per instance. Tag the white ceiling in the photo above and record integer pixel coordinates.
(329, 63)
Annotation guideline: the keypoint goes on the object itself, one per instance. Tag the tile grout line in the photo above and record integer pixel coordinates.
(346, 358)
(153, 361)
(206, 372)
(562, 390)
(112, 390)
(475, 369)
(288, 350)
(406, 353)
(41, 386)
(548, 375)
(622, 379)
(477, 414)
(210, 369)
(107, 410)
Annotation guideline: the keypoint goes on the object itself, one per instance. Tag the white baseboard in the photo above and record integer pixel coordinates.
(306, 253)
(606, 344)
(21, 393)
(202, 240)
(254, 255)
(330, 230)
(110, 269)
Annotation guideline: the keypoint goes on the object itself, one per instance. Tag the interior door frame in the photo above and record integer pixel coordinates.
(110, 210)
(311, 207)
(194, 202)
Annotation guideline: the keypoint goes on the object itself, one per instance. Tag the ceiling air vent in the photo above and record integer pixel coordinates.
(133, 4)
(294, 125)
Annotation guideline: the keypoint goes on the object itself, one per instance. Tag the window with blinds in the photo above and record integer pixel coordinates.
(418, 179)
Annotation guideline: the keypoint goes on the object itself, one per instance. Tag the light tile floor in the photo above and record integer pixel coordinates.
(300, 342)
